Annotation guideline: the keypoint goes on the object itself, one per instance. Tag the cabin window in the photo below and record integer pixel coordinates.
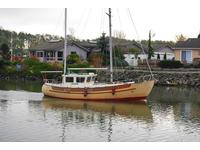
(80, 79)
(69, 79)
(88, 79)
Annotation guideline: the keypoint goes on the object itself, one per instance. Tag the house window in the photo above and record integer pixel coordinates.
(60, 56)
(186, 56)
(73, 53)
(49, 55)
(39, 54)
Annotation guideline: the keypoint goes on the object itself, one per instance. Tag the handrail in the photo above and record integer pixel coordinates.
(87, 68)
(51, 71)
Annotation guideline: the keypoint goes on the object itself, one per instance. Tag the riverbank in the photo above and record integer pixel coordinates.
(169, 77)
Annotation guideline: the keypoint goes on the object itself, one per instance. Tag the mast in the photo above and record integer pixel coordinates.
(110, 46)
(65, 42)
(11, 49)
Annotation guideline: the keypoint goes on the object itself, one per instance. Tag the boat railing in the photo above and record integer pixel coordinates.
(51, 81)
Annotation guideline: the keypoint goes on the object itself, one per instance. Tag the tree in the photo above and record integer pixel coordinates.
(165, 56)
(198, 36)
(150, 49)
(73, 59)
(134, 51)
(181, 37)
(158, 56)
(117, 52)
(119, 34)
(5, 51)
(102, 43)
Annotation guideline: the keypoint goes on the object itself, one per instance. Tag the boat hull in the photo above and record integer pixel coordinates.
(122, 92)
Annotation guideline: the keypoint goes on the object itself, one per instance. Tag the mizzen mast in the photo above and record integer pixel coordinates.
(110, 46)
(65, 43)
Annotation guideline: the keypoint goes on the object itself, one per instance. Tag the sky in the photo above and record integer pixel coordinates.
(165, 19)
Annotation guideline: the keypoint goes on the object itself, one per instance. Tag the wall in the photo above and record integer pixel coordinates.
(177, 54)
(195, 53)
(79, 51)
(176, 77)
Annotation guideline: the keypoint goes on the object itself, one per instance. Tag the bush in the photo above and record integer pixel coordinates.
(10, 69)
(170, 64)
(117, 62)
(80, 65)
(73, 58)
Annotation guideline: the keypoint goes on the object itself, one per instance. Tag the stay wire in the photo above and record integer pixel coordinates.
(139, 41)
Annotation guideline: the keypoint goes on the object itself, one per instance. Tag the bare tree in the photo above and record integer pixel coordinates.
(181, 37)
(119, 34)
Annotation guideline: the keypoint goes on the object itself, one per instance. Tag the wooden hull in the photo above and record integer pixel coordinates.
(122, 92)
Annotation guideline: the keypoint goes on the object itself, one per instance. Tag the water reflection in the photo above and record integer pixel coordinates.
(170, 114)
(3, 105)
(138, 110)
(175, 94)
(87, 113)
(33, 86)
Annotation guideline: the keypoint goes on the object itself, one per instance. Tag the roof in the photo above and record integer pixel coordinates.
(190, 43)
(55, 45)
(164, 48)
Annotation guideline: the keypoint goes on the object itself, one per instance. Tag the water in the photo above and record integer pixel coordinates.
(170, 114)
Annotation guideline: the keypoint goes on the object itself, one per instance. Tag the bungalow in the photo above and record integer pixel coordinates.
(161, 50)
(166, 49)
(53, 51)
(187, 51)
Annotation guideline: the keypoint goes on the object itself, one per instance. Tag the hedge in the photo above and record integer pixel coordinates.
(170, 64)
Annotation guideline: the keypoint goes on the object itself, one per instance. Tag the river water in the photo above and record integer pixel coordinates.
(170, 114)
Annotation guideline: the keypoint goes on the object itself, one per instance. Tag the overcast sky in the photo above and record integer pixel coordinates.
(165, 19)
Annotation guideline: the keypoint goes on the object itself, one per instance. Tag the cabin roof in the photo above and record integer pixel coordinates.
(80, 75)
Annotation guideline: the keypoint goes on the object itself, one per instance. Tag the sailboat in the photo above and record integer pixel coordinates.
(84, 87)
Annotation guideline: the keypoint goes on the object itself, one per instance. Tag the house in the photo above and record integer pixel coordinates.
(187, 51)
(140, 58)
(165, 49)
(53, 51)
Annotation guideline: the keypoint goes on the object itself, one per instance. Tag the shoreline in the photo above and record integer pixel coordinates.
(164, 77)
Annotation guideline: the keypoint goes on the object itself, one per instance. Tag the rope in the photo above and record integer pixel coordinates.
(139, 41)
(86, 21)
(60, 18)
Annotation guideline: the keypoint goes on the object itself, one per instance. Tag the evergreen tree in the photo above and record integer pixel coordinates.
(5, 50)
(158, 56)
(150, 49)
(165, 56)
(102, 43)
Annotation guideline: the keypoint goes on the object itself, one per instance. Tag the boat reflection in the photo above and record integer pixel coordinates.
(138, 110)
